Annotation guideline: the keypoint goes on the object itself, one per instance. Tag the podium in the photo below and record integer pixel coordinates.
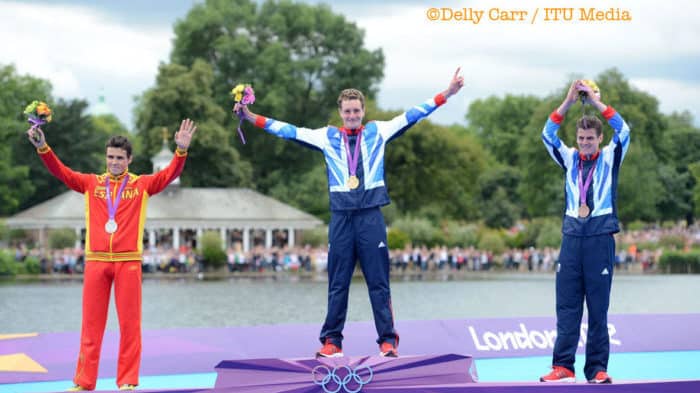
(344, 374)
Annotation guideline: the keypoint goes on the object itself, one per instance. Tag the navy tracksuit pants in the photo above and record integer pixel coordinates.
(351, 235)
(584, 271)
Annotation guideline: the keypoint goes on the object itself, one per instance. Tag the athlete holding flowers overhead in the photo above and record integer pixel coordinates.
(587, 254)
(354, 155)
(115, 203)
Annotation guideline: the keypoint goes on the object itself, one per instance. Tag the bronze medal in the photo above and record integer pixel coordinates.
(584, 211)
(353, 182)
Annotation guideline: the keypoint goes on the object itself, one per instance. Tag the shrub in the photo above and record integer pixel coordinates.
(62, 238)
(672, 242)
(549, 236)
(7, 264)
(457, 235)
(212, 250)
(680, 262)
(420, 230)
(316, 237)
(492, 240)
(32, 265)
(397, 239)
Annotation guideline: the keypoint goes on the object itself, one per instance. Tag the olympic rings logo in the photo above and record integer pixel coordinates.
(332, 381)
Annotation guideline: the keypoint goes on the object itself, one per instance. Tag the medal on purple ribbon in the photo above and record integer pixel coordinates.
(111, 225)
(353, 181)
(584, 210)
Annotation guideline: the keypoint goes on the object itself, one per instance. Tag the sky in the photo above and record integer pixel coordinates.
(88, 48)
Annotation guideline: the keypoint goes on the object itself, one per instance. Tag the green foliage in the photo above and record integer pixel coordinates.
(4, 230)
(549, 235)
(186, 92)
(317, 237)
(7, 264)
(431, 172)
(307, 191)
(397, 239)
(62, 238)
(16, 91)
(500, 124)
(636, 225)
(31, 265)
(419, 230)
(70, 123)
(491, 240)
(672, 242)
(678, 262)
(694, 169)
(212, 250)
(498, 198)
(461, 235)
(18, 235)
(297, 57)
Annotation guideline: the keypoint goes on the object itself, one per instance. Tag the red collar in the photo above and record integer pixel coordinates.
(591, 158)
(354, 132)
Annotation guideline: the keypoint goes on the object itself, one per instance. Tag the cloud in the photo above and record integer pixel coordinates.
(530, 58)
(677, 95)
(70, 44)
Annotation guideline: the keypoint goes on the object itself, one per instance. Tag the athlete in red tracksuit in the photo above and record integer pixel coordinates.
(113, 248)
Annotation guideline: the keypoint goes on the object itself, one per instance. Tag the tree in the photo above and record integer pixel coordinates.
(16, 91)
(181, 92)
(432, 169)
(297, 57)
(498, 199)
(501, 123)
(684, 145)
(308, 191)
(694, 169)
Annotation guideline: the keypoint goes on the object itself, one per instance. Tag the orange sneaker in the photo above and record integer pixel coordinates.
(601, 377)
(329, 350)
(559, 374)
(388, 350)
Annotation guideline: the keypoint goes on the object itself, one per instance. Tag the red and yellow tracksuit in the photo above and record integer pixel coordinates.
(111, 258)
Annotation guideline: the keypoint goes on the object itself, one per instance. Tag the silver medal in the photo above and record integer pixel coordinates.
(111, 226)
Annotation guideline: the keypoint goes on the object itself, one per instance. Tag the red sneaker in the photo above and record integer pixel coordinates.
(388, 350)
(329, 350)
(601, 377)
(559, 374)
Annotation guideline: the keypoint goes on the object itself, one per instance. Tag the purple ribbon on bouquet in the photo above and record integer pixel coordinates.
(36, 121)
(248, 98)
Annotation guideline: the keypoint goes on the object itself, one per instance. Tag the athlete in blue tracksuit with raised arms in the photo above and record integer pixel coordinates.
(585, 267)
(355, 165)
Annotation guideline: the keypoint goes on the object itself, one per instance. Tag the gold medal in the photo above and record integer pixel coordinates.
(584, 211)
(353, 182)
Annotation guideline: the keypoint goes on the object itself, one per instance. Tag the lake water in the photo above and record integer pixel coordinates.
(55, 305)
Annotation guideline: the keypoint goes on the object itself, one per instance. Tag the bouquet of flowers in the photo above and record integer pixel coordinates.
(596, 90)
(244, 95)
(38, 113)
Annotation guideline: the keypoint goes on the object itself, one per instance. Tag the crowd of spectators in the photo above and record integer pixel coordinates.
(639, 249)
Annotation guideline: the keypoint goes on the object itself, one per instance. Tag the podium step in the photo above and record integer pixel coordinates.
(344, 374)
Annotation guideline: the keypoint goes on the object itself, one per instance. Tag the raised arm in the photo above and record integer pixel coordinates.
(74, 180)
(399, 124)
(456, 84)
(306, 136)
(183, 138)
